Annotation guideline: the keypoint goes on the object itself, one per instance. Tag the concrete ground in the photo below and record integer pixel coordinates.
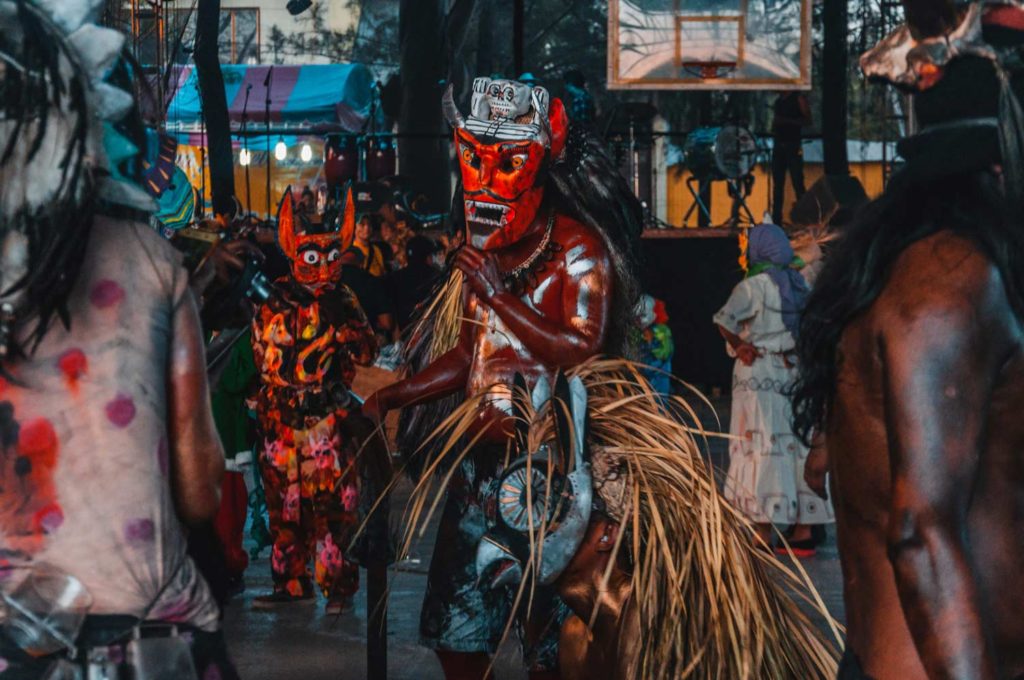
(300, 642)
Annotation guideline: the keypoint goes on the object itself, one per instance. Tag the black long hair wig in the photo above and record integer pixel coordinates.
(970, 204)
(590, 189)
(44, 81)
(47, 85)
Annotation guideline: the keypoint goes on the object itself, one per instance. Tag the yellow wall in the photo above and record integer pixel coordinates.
(679, 199)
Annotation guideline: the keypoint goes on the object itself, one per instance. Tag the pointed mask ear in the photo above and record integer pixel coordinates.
(561, 411)
(559, 122)
(286, 224)
(348, 220)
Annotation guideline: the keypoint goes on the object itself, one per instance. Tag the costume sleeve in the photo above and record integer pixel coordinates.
(743, 305)
(355, 334)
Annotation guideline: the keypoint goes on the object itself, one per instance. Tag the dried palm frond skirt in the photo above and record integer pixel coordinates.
(712, 602)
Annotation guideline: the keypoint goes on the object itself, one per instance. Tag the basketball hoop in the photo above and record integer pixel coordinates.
(709, 70)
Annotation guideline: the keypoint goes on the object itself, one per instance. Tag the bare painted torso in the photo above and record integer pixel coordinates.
(860, 459)
(570, 290)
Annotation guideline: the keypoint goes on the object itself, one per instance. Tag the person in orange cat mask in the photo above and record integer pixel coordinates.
(306, 343)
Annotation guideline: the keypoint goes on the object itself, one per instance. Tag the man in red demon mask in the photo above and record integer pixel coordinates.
(306, 341)
(548, 226)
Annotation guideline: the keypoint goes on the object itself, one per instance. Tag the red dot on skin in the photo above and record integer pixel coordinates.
(121, 410)
(106, 293)
(73, 364)
(48, 519)
(37, 441)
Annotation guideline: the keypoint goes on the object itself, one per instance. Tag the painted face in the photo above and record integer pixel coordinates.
(315, 258)
(503, 187)
(319, 260)
(504, 147)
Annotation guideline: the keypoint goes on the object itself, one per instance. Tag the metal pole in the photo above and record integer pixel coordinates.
(248, 160)
(266, 119)
(377, 595)
(518, 31)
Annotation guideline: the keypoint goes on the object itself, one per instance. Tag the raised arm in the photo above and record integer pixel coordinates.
(586, 299)
(356, 334)
(945, 339)
(197, 457)
(446, 375)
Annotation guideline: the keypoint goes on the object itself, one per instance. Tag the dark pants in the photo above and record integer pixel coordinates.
(209, 653)
(460, 616)
(787, 157)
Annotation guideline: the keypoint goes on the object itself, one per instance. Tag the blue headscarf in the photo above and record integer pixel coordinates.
(769, 251)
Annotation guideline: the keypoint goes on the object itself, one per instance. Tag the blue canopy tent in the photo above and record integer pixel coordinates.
(307, 99)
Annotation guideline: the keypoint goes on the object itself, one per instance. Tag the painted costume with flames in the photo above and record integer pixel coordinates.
(306, 343)
(551, 233)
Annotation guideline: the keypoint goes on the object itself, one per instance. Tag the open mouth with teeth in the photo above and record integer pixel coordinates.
(484, 214)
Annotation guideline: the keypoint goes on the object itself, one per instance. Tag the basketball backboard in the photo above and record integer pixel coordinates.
(709, 44)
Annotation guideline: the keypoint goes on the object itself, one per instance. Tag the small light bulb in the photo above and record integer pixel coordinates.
(244, 158)
(306, 154)
(280, 150)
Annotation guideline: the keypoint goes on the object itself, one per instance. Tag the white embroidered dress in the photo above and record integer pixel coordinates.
(766, 466)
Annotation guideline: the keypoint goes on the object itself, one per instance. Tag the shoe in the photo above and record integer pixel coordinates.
(800, 549)
(339, 605)
(280, 597)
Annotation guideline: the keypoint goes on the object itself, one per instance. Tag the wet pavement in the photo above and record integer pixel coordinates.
(299, 641)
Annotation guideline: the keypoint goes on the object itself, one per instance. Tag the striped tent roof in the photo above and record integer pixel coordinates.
(310, 98)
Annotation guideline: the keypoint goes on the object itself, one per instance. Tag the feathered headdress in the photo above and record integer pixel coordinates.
(954, 61)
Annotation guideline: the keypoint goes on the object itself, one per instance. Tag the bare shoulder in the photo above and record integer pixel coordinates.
(579, 240)
(943, 278)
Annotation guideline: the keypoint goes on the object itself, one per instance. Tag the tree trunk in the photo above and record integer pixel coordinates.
(215, 107)
(835, 76)
(423, 155)
(485, 39)
(518, 36)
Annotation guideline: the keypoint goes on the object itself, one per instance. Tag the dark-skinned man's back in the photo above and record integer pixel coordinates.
(925, 442)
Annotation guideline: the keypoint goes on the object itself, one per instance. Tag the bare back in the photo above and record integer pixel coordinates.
(925, 443)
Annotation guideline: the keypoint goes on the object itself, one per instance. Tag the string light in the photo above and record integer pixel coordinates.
(280, 150)
(306, 154)
(244, 157)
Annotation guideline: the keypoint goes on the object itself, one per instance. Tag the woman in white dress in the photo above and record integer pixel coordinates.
(759, 323)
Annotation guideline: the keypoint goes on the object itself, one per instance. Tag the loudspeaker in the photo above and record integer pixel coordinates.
(832, 200)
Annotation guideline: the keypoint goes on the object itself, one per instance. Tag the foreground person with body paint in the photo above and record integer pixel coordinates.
(551, 231)
(911, 356)
(107, 443)
(609, 500)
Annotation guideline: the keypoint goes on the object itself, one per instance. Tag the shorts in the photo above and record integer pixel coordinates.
(458, 616)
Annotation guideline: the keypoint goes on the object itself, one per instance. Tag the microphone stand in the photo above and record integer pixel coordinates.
(266, 118)
(245, 146)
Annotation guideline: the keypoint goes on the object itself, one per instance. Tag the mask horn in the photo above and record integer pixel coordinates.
(348, 220)
(451, 112)
(561, 411)
(286, 223)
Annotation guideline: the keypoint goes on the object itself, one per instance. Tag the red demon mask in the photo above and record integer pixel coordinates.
(503, 149)
(315, 256)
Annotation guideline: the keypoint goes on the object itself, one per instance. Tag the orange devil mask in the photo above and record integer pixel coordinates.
(315, 250)
(504, 148)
